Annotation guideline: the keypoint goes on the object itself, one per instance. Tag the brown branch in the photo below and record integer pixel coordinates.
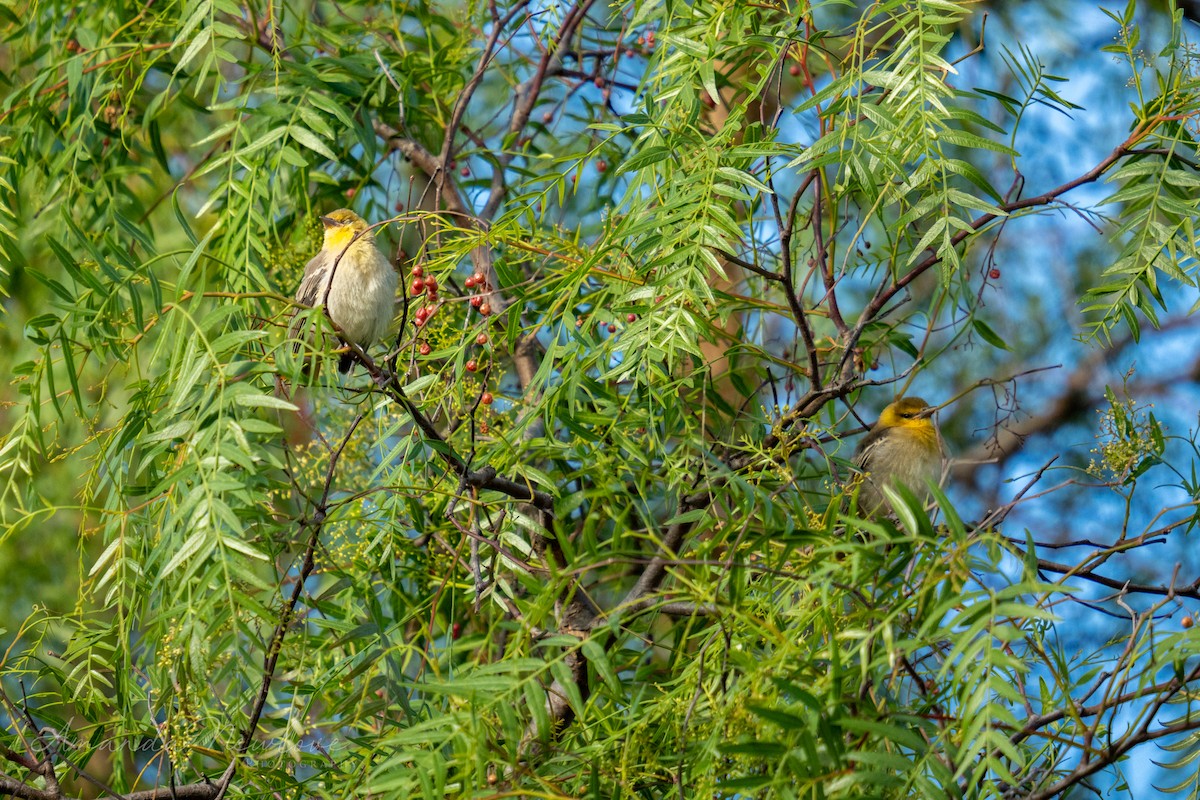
(202, 791)
(655, 570)
(314, 523)
(1079, 394)
(670, 608)
(1191, 591)
(883, 297)
(484, 478)
(1031, 726)
(527, 354)
(54, 87)
(791, 292)
(1123, 745)
(43, 766)
(527, 96)
(748, 265)
(468, 91)
(844, 382)
(191, 791)
(822, 256)
(431, 165)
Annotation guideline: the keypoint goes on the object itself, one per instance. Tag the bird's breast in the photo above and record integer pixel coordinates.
(363, 294)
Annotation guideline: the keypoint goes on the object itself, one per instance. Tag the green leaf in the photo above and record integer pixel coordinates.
(265, 401)
(988, 335)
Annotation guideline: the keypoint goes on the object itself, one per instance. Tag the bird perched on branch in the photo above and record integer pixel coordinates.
(902, 448)
(353, 279)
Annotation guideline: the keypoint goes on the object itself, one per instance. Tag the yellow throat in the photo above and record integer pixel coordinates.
(338, 238)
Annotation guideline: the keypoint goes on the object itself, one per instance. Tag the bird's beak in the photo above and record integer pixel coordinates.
(329, 222)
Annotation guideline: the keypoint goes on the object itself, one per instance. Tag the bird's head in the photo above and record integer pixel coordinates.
(907, 412)
(905, 409)
(910, 417)
(342, 226)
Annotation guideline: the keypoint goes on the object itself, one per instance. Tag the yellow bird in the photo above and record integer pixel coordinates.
(362, 297)
(903, 447)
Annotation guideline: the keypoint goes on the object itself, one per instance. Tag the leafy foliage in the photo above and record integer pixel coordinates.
(583, 527)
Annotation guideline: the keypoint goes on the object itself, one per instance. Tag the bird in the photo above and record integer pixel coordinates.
(902, 448)
(362, 298)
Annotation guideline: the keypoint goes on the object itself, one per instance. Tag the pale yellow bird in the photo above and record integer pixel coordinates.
(903, 447)
(362, 298)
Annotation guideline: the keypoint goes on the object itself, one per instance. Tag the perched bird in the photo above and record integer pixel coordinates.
(903, 447)
(362, 299)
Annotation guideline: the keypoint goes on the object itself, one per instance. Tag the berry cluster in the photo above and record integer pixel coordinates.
(428, 286)
(647, 40)
(472, 365)
(479, 286)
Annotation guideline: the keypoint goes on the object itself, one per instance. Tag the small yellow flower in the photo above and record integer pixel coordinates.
(902, 448)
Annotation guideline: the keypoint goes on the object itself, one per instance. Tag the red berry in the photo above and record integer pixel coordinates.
(351, 192)
(630, 317)
(612, 327)
(418, 272)
(994, 274)
(794, 70)
(429, 311)
(476, 301)
(1186, 622)
(431, 283)
(629, 52)
(483, 427)
(472, 365)
(599, 82)
(548, 117)
(481, 339)
(420, 315)
(419, 321)
(465, 171)
(469, 282)
(601, 166)
(485, 309)
(425, 349)
(418, 286)
(454, 163)
(660, 298)
(456, 630)
(486, 398)
(399, 206)
(478, 276)
(641, 40)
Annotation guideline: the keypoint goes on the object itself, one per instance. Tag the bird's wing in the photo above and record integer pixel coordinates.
(313, 281)
(311, 292)
(862, 453)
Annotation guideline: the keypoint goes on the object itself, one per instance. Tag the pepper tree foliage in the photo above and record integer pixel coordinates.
(601, 540)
